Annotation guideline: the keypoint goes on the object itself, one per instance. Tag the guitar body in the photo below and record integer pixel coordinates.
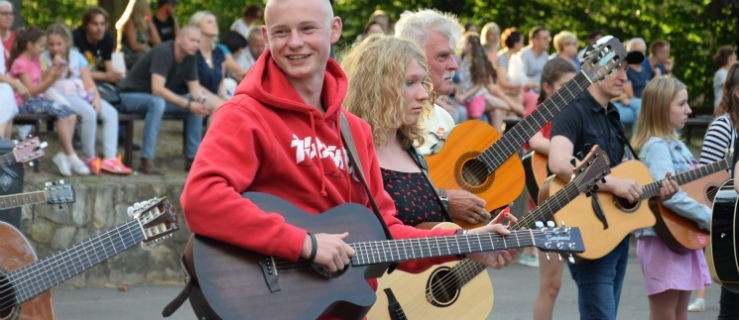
(721, 253)
(621, 217)
(678, 233)
(704, 189)
(16, 252)
(535, 166)
(234, 286)
(472, 300)
(451, 167)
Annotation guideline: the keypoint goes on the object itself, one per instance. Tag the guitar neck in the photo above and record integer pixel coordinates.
(501, 150)
(38, 277)
(546, 210)
(17, 200)
(387, 251)
(652, 189)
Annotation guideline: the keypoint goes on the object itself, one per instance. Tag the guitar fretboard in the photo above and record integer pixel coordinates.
(652, 189)
(38, 277)
(513, 139)
(17, 200)
(386, 251)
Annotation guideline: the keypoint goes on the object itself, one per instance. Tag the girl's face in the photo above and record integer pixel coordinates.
(37, 47)
(416, 92)
(679, 109)
(57, 44)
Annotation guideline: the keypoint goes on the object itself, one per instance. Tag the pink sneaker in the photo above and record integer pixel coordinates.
(94, 165)
(115, 166)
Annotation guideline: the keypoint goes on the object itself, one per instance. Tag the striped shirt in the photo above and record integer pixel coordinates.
(719, 140)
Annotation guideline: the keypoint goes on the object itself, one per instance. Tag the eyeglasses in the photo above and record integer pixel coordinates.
(6, 13)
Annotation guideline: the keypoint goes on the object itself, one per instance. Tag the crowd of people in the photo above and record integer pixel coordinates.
(268, 92)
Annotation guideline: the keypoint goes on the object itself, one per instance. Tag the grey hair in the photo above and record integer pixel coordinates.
(416, 26)
(5, 3)
(633, 41)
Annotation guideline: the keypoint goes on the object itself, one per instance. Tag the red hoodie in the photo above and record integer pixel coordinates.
(267, 139)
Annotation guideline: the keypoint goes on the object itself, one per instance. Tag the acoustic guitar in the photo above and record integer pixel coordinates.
(24, 282)
(605, 219)
(476, 158)
(721, 252)
(463, 289)
(58, 192)
(535, 167)
(681, 234)
(240, 284)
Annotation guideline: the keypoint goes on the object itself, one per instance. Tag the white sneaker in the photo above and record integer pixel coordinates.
(78, 166)
(61, 162)
(698, 305)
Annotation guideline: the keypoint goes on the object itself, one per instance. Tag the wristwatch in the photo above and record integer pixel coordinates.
(444, 198)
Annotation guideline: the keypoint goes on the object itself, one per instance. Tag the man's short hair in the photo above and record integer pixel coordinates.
(633, 42)
(417, 25)
(535, 32)
(91, 13)
(657, 45)
(562, 39)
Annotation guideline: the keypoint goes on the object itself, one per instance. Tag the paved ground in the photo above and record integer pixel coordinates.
(515, 291)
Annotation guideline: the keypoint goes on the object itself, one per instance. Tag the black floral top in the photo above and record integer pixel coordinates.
(414, 197)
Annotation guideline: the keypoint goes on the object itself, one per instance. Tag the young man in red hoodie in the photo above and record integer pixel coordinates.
(280, 135)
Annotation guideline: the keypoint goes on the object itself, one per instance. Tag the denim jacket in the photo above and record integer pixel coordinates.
(663, 155)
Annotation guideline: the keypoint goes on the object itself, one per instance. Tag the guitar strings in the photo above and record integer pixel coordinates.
(50, 265)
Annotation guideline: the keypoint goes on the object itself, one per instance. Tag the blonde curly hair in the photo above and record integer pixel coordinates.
(376, 70)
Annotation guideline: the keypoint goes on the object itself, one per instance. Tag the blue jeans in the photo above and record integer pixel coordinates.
(193, 128)
(629, 113)
(153, 109)
(599, 283)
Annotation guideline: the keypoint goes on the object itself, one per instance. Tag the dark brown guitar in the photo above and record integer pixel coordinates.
(240, 284)
(24, 282)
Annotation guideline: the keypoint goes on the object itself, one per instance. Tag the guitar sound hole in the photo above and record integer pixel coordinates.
(442, 289)
(625, 205)
(475, 172)
(711, 193)
(7, 298)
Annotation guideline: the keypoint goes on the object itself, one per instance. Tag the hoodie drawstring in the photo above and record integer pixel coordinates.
(320, 162)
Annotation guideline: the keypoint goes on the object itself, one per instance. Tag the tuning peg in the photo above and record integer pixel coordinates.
(546, 255)
(550, 224)
(573, 162)
(595, 187)
(603, 180)
(42, 145)
(571, 259)
(539, 224)
(559, 257)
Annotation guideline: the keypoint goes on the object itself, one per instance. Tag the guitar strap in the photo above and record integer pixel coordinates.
(424, 166)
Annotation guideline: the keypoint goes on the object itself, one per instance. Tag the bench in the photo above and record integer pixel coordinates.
(124, 119)
(697, 122)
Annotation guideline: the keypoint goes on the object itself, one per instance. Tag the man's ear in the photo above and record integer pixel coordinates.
(336, 26)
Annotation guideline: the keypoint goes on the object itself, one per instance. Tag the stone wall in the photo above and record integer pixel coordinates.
(101, 204)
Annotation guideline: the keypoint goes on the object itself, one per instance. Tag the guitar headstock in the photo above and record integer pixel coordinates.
(29, 149)
(561, 239)
(59, 192)
(593, 168)
(606, 56)
(157, 218)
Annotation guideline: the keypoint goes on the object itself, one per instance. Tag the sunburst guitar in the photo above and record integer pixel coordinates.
(477, 158)
(681, 234)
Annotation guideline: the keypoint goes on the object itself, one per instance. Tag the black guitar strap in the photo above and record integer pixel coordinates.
(346, 135)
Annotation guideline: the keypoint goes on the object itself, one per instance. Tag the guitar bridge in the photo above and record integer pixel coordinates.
(269, 270)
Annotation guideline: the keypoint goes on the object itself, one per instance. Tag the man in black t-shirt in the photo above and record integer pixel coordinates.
(165, 21)
(156, 76)
(97, 45)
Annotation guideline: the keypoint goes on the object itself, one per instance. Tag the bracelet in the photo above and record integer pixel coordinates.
(314, 247)
(444, 198)
(189, 102)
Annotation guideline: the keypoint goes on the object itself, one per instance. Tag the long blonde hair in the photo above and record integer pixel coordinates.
(654, 117)
(376, 71)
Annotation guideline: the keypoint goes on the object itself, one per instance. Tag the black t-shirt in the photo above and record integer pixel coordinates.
(160, 60)
(95, 53)
(585, 123)
(165, 28)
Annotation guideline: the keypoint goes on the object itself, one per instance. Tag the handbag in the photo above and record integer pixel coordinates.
(109, 92)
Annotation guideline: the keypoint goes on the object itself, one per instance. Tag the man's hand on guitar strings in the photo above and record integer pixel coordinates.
(332, 252)
(467, 207)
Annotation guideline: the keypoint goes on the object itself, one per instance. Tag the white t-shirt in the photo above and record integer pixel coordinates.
(437, 127)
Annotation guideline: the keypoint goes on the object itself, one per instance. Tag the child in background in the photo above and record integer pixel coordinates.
(25, 65)
(77, 87)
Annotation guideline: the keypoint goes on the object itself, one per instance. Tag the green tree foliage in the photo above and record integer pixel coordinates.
(42, 13)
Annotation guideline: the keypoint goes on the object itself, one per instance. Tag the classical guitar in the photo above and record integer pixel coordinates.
(240, 284)
(54, 193)
(681, 234)
(24, 282)
(606, 219)
(463, 289)
(476, 158)
(721, 252)
(27, 150)
(535, 168)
